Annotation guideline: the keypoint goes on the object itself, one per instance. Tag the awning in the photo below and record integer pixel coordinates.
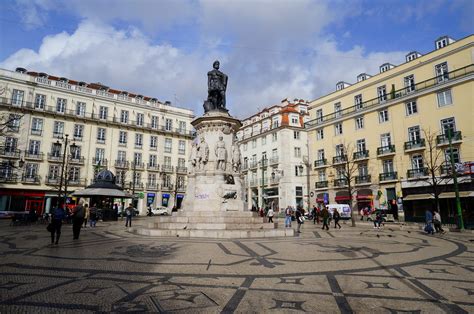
(414, 197)
(453, 195)
(89, 192)
(342, 198)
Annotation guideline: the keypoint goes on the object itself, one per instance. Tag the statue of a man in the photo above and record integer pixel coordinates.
(236, 157)
(221, 154)
(193, 156)
(202, 153)
(216, 87)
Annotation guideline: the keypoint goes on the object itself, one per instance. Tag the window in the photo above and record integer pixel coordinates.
(61, 105)
(442, 72)
(359, 122)
(387, 166)
(414, 134)
(182, 127)
(99, 155)
(140, 118)
(296, 135)
(56, 150)
(361, 145)
(444, 98)
(264, 155)
(363, 170)
(40, 101)
(120, 178)
(411, 108)
(417, 161)
(181, 162)
(81, 109)
(137, 158)
(409, 82)
(34, 147)
(154, 122)
(245, 147)
(275, 154)
(122, 138)
(153, 142)
(76, 153)
(322, 175)
(78, 132)
(382, 93)
(456, 155)
(298, 171)
(103, 112)
(168, 125)
(101, 135)
(17, 97)
(338, 128)
(320, 154)
(254, 143)
(319, 115)
(10, 144)
(385, 140)
(448, 124)
(297, 152)
(383, 115)
(138, 140)
(124, 116)
(121, 155)
(54, 172)
(31, 171)
(320, 134)
(337, 110)
(181, 147)
(339, 150)
(152, 179)
(138, 178)
(358, 102)
(275, 122)
(152, 161)
(264, 140)
(274, 137)
(168, 145)
(167, 161)
(36, 126)
(74, 174)
(295, 120)
(58, 129)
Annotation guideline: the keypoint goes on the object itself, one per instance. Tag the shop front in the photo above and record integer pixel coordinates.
(22, 200)
(342, 197)
(322, 199)
(365, 200)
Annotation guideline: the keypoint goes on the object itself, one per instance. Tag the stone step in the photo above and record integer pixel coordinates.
(216, 234)
(200, 219)
(214, 213)
(213, 226)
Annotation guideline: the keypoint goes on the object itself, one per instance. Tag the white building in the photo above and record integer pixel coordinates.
(143, 141)
(274, 149)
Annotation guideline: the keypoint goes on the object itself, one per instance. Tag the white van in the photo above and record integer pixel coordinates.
(343, 209)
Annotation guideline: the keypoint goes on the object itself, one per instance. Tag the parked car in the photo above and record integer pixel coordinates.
(161, 211)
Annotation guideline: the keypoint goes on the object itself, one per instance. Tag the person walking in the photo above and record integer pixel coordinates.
(325, 215)
(57, 222)
(86, 214)
(270, 214)
(429, 220)
(288, 214)
(437, 222)
(299, 219)
(77, 220)
(129, 212)
(93, 216)
(336, 218)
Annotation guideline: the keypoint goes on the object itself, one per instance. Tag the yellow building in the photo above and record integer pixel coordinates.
(378, 131)
(143, 141)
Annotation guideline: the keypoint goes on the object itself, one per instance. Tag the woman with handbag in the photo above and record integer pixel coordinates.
(54, 226)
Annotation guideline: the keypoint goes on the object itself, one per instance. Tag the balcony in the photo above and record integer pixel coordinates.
(340, 183)
(58, 135)
(320, 163)
(36, 132)
(415, 145)
(253, 164)
(167, 187)
(77, 160)
(442, 139)
(274, 181)
(264, 163)
(417, 173)
(321, 185)
(274, 160)
(361, 155)
(339, 159)
(55, 157)
(245, 166)
(77, 182)
(362, 179)
(138, 165)
(152, 167)
(100, 162)
(34, 156)
(167, 168)
(52, 180)
(122, 164)
(8, 152)
(181, 169)
(386, 150)
(254, 182)
(138, 186)
(181, 188)
(30, 179)
(11, 178)
(388, 176)
(152, 186)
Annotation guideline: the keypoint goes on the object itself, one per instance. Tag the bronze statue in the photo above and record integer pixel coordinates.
(216, 88)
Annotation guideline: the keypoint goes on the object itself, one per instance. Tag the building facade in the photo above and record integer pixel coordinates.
(273, 145)
(143, 141)
(392, 131)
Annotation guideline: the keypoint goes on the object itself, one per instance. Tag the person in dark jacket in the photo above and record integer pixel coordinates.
(57, 222)
(77, 220)
(325, 215)
(336, 218)
(299, 219)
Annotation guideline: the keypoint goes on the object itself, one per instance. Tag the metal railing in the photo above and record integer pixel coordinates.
(443, 139)
(419, 143)
(34, 155)
(363, 179)
(321, 184)
(386, 150)
(416, 173)
(320, 162)
(361, 154)
(121, 164)
(167, 168)
(339, 159)
(388, 176)
(8, 152)
(340, 183)
(31, 179)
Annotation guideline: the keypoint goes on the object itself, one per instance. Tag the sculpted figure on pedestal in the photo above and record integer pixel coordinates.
(236, 157)
(202, 154)
(216, 87)
(221, 154)
(193, 157)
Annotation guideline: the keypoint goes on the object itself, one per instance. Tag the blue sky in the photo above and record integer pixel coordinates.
(271, 50)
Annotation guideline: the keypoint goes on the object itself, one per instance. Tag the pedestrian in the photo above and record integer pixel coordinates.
(77, 220)
(86, 214)
(93, 216)
(378, 220)
(260, 212)
(129, 212)
(325, 215)
(299, 219)
(270, 214)
(56, 223)
(429, 221)
(336, 217)
(288, 214)
(437, 222)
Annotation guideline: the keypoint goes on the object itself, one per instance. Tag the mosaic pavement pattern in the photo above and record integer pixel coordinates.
(357, 270)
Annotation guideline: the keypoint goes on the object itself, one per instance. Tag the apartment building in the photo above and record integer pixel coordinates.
(143, 141)
(275, 160)
(394, 127)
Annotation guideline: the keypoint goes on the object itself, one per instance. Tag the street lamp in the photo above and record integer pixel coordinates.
(72, 150)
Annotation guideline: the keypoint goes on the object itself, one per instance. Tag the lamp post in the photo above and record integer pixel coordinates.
(73, 148)
(455, 182)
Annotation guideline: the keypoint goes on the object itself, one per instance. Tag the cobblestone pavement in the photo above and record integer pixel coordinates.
(349, 270)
